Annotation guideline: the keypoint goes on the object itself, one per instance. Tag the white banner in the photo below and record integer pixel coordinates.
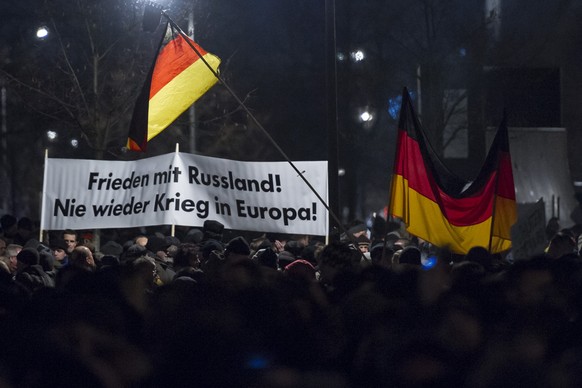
(184, 189)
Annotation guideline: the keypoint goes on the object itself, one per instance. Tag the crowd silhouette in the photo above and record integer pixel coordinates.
(209, 307)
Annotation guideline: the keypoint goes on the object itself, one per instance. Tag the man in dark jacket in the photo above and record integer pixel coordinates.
(29, 273)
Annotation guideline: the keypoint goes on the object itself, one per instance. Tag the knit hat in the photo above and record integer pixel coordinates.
(172, 240)
(213, 229)
(410, 255)
(358, 228)
(111, 248)
(58, 243)
(210, 246)
(135, 250)
(28, 256)
(193, 236)
(363, 240)
(156, 244)
(266, 257)
(239, 246)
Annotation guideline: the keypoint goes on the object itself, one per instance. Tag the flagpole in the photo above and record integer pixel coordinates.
(406, 95)
(43, 204)
(493, 211)
(192, 109)
(331, 90)
(390, 186)
(173, 226)
(256, 121)
(503, 123)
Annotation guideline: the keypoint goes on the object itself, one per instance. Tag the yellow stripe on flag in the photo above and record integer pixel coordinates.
(177, 96)
(425, 220)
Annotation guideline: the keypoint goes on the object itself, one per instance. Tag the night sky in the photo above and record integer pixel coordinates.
(274, 58)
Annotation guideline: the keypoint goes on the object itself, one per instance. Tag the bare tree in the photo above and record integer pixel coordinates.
(85, 73)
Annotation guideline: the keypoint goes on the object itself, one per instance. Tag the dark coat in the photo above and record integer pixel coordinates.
(34, 278)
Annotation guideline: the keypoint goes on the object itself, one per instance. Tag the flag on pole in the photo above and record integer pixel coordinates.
(442, 208)
(176, 80)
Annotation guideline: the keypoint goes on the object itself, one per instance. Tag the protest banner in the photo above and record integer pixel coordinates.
(184, 189)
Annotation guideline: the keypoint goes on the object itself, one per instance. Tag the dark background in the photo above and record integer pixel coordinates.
(82, 80)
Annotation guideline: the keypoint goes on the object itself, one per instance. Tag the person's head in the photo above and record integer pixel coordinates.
(479, 255)
(141, 240)
(381, 254)
(212, 229)
(363, 243)
(188, 255)
(267, 257)
(59, 249)
(237, 250)
(111, 248)
(410, 255)
(12, 251)
(27, 257)
(158, 246)
(143, 270)
(301, 269)
(134, 251)
(210, 246)
(560, 245)
(358, 228)
(71, 238)
(338, 257)
(82, 257)
(294, 247)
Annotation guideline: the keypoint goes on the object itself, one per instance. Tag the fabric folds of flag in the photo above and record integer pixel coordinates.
(176, 80)
(440, 207)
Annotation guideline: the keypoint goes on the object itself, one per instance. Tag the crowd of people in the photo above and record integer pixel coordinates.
(209, 307)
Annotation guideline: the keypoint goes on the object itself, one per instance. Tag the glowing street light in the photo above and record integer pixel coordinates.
(366, 116)
(357, 55)
(51, 135)
(42, 32)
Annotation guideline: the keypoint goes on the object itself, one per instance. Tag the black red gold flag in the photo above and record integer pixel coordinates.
(176, 80)
(440, 207)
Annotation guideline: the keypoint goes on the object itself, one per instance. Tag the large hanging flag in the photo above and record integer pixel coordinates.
(442, 208)
(179, 76)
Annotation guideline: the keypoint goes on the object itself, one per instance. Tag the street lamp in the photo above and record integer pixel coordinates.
(42, 32)
(366, 116)
(358, 55)
(51, 135)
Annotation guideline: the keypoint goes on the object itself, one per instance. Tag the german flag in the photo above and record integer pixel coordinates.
(440, 207)
(179, 76)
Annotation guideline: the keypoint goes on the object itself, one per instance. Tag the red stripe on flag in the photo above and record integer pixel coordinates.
(175, 57)
(462, 211)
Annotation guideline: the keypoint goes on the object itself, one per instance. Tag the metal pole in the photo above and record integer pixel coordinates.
(192, 109)
(4, 149)
(332, 120)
